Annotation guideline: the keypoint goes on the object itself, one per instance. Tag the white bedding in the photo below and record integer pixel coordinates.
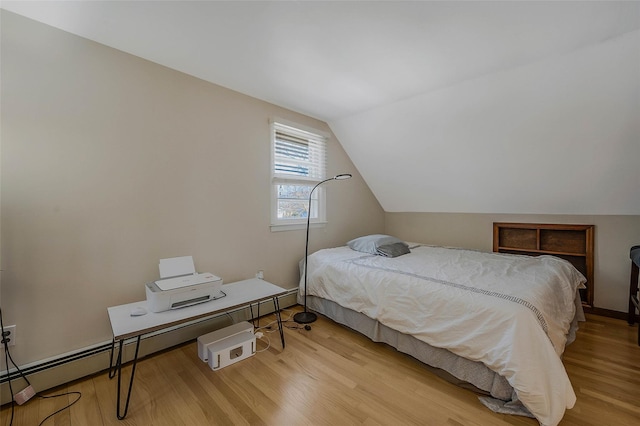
(512, 313)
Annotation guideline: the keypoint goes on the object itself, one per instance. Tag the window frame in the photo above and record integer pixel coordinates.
(319, 195)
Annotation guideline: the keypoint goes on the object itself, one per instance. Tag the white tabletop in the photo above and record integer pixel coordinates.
(238, 294)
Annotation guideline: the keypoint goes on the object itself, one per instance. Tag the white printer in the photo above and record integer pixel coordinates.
(180, 285)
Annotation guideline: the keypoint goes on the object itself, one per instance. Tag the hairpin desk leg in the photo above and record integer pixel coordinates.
(258, 314)
(112, 369)
(276, 305)
(118, 368)
(253, 317)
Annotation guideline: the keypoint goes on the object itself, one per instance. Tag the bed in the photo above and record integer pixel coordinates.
(498, 323)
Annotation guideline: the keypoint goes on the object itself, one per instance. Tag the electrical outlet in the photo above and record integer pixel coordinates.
(9, 334)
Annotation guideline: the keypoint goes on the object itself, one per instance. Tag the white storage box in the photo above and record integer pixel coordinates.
(231, 350)
(215, 336)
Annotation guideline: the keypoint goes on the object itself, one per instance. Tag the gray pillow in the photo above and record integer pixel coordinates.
(381, 245)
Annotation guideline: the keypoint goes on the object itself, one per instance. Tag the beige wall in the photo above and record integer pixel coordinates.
(111, 162)
(614, 236)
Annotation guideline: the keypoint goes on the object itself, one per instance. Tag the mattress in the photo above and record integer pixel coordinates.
(500, 322)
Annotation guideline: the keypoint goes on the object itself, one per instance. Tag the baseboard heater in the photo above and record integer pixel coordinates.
(65, 359)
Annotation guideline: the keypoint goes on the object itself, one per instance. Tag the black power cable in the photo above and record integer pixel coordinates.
(6, 363)
(7, 357)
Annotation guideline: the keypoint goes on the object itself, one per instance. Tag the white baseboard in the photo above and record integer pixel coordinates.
(48, 374)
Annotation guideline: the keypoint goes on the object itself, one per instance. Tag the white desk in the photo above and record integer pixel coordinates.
(125, 326)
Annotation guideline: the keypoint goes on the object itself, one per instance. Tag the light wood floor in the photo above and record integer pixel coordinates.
(334, 376)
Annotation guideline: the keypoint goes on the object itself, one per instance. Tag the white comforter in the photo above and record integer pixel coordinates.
(512, 313)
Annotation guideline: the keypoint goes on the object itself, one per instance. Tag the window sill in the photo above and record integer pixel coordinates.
(295, 226)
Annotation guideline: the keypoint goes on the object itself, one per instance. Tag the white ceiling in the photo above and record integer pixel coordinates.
(340, 61)
(333, 59)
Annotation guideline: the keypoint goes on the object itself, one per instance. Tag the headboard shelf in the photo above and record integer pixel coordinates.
(527, 251)
(573, 243)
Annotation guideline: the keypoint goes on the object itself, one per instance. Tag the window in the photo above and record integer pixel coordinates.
(298, 164)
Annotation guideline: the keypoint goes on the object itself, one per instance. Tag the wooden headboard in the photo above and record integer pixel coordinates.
(570, 242)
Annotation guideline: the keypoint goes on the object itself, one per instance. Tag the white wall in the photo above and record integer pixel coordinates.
(111, 162)
(559, 136)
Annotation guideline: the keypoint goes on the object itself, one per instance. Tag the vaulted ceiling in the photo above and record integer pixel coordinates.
(514, 107)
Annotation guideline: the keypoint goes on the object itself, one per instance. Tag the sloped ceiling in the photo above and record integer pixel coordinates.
(497, 107)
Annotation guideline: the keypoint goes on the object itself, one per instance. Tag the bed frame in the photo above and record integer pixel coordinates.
(462, 372)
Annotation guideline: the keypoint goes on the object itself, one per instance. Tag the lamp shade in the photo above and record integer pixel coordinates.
(342, 176)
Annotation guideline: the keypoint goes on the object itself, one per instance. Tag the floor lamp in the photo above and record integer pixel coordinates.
(307, 317)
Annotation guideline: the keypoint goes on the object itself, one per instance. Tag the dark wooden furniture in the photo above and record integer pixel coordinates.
(634, 254)
(570, 242)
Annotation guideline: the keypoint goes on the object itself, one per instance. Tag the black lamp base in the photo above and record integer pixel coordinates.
(305, 317)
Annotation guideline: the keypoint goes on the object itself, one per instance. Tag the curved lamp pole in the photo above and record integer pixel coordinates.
(307, 317)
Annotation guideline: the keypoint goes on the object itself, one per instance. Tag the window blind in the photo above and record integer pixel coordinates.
(298, 155)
